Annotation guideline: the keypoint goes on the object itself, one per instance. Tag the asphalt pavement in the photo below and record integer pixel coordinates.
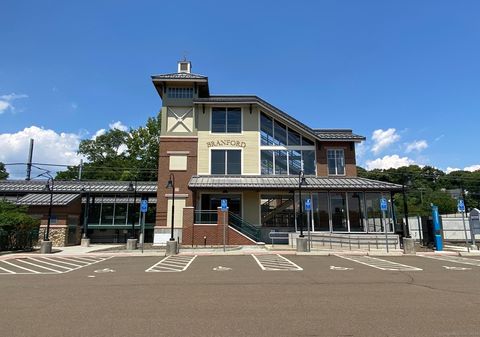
(234, 296)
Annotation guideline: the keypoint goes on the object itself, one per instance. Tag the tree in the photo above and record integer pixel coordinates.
(3, 172)
(17, 228)
(120, 155)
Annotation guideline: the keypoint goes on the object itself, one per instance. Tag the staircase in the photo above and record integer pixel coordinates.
(244, 227)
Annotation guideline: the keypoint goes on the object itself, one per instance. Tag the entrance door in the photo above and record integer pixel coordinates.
(212, 202)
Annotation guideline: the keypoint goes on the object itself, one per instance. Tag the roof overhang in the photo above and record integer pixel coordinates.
(289, 183)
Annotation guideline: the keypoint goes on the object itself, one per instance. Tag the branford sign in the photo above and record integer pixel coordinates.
(226, 142)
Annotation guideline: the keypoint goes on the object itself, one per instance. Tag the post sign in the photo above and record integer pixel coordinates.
(144, 206)
(308, 205)
(383, 204)
(224, 205)
(461, 206)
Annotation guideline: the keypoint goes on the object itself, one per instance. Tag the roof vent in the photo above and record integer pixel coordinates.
(184, 66)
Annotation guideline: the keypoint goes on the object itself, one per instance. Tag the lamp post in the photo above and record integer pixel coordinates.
(132, 241)
(406, 181)
(172, 244)
(85, 242)
(171, 184)
(301, 181)
(133, 188)
(46, 245)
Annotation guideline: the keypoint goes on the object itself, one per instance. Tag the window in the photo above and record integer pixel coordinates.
(336, 162)
(267, 161)
(280, 134)
(180, 92)
(226, 162)
(287, 162)
(266, 130)
(227, 120)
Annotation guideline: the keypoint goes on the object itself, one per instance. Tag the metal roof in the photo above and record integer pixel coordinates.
(119, 200)
(179, 76)
(44, 199)
(75, 186)
(289, 182)
(338, 135)
(319, 134)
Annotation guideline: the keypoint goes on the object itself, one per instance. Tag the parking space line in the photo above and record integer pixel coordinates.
(39, 266)
(20, 267)
(172, 263)
(379, 263)
(275, 263)
(46, 265)
(456, 259)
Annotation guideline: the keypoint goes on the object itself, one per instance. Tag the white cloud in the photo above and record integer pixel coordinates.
(383, 139)
(393, 161)
(118, 125)
(49, 147)
(6, 101)
(417, 145)
(472, 168)
(99, 133)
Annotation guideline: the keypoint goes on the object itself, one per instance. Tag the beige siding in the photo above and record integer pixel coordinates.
(178, 162)
(249, 137)
(179, 205)
(251, 207)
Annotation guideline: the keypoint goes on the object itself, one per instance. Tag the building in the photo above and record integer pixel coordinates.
(247, 151)
(212, 147)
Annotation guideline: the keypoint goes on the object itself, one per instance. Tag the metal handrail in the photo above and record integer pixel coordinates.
(243, 226)
(205, 217)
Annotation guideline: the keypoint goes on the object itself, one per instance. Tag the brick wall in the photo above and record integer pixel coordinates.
(197, 234)
(182, 177)
(350, 160)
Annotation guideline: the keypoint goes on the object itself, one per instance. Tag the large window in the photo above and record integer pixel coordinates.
(227, 120)
(287, 162)
(336, 162)
(226, 162)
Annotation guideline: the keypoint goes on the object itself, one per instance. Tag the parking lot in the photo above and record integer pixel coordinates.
(250, 295)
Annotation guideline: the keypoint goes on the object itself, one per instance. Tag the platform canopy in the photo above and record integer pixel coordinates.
(289, 183)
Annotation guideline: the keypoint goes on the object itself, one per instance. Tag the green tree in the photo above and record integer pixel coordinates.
(120, 155)
(3, 172)
(18, 230)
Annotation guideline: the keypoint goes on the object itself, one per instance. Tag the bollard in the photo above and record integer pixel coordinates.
(204, 241)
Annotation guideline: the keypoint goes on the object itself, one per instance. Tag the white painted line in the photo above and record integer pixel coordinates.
(86, 259)
(276, 262)
(456, 259)
(8, 271)
(38, 266)
(30, 270)
(59, 261)
(379, 263)
(172, 264)
(49, 263)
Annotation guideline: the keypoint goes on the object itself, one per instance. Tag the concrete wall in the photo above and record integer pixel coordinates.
(452, 229)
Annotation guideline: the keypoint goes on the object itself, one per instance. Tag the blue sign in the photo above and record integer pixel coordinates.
(308, 205)
(224, 205)
(144, 206)
(383, 204)
(461, 206)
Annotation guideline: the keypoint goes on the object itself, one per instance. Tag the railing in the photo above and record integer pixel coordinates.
(18, 240)
(357, 241)
(243, 226)
(206, 217)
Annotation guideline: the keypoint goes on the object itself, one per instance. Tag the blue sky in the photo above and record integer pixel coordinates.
(406, 74)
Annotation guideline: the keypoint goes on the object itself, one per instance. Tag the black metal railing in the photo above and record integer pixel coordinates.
(243, 226)
(206, 217)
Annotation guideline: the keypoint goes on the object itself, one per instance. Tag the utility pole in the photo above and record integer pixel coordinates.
(30, 158)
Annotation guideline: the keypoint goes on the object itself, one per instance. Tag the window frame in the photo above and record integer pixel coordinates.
(336, 163)
(226, 160)
(226, 120)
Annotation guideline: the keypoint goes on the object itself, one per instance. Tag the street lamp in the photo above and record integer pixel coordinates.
(133, 188)
(171, 184)
(406, 181)
(50, 189)
(301, 181)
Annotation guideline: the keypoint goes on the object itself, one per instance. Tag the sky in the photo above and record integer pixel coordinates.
(405, 74)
